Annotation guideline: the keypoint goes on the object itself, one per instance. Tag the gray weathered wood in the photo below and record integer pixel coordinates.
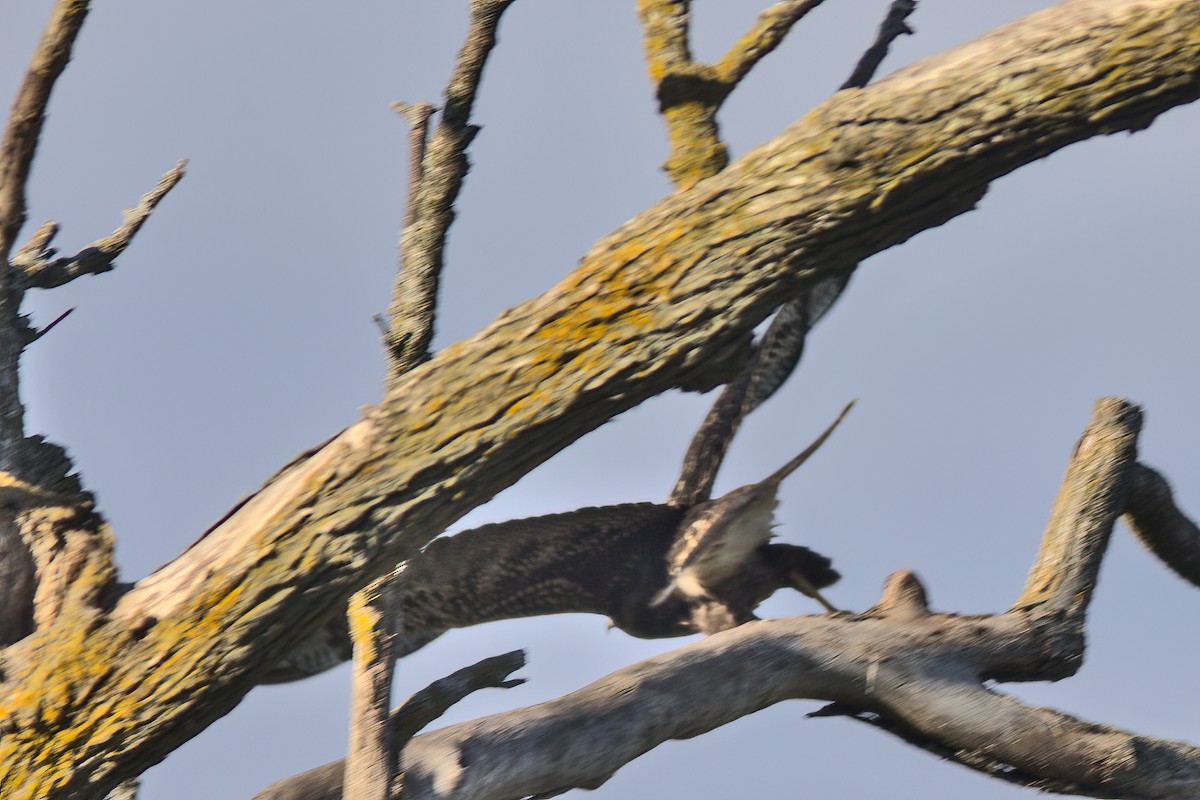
(102, 694)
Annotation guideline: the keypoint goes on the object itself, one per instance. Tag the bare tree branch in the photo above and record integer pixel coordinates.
(781, 347)
(911, 672)
(325, 782)
(891, 29)
(689, 92)
(648, 308)
(413, 311)
(431, 207)
(666, 39)
(767, 33)
(21, 135)
(374, 622)
(899, 666)
(1155, 519)
(28, 114)
(43, 271)
(1089, 502)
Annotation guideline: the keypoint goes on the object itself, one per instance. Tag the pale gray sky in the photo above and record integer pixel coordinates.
(237, 331)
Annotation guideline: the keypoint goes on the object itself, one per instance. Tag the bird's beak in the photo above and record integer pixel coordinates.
(805, 586)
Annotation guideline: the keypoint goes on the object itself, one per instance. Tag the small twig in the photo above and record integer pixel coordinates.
(767, 33)
(422, 708)
(326, 782)
(39, 334)
(892, 28)
(28, 115)
(1156, 521)
(38, 246)
(380, 322)
(443, 167)
(43, 271)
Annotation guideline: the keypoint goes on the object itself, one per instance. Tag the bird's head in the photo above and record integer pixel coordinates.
(800, 568)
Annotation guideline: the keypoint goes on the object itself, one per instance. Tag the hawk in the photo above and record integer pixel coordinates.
(655, 570)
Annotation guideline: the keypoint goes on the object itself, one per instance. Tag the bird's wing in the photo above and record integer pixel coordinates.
(717, 538)
(608, 561)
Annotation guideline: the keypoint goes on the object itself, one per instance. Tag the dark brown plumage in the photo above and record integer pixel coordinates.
(611, 561)
(654, 570)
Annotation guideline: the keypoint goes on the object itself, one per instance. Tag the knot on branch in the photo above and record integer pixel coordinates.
(903, 597)
(691, 83)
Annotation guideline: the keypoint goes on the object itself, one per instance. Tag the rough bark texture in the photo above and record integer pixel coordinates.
(917, 674)
(374, 617)
(99, 693)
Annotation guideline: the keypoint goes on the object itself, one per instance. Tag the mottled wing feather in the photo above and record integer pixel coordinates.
(607, 560)
(717, 538)
(591, 560)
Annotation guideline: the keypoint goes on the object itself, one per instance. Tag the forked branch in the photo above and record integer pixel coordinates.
(36, 259)
(28, 114)
(436, 173)
(778, 352)
(766, 34)
(411, 718)
(430, 205)
(908, 670)
(647, 309)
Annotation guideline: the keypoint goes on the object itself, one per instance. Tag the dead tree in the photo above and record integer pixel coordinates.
(101, 680)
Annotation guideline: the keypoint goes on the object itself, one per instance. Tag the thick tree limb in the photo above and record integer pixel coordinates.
(648, 308)
(899, 666)
(898, 662)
